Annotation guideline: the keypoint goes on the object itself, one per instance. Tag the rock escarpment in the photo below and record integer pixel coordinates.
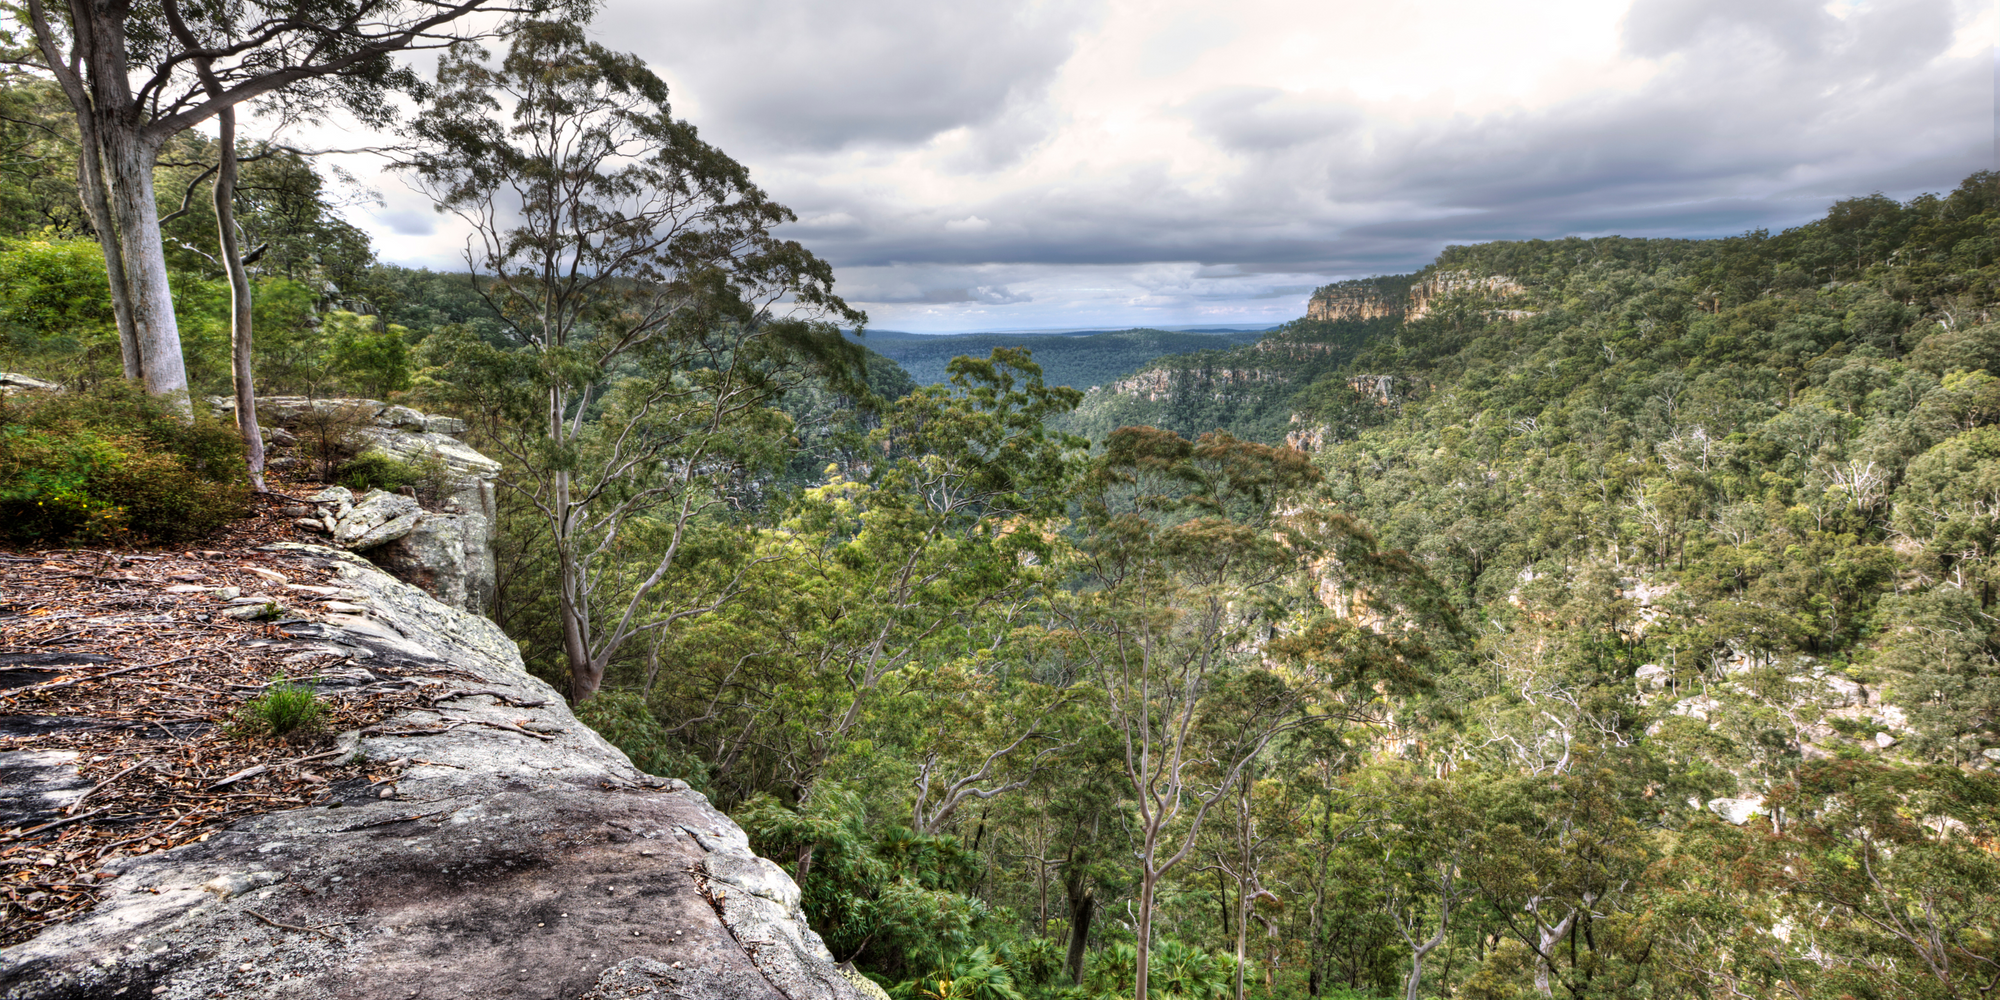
(447, 551)
(1413, 297)
(1348, 301)
(514, 853)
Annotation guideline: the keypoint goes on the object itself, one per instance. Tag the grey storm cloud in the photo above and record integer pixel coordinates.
(1762, 114)
(409, 221)
(990, 295)
(1255, 119)
(942, 157)
(802, 74)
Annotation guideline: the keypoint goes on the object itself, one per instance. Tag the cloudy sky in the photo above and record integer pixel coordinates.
(1022, 164)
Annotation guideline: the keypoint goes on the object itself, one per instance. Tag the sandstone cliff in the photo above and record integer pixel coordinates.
(1353, 300)
(1488, 290)
(1374, 298)
(513, 853)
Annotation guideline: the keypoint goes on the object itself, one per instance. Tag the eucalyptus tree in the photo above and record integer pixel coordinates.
(948, 536)
(1190, 563)
(136, 75)
(649, 317)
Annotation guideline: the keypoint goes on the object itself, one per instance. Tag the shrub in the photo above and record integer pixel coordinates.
(428, 477)
(372, 357)
(114, 465)
(326, 434)
(55, 314)
(623, 719)
(285, 711)
(206, 446)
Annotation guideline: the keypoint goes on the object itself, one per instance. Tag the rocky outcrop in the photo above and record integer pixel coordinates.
(1359, 299)
(1352, 300)
(1374, 298)
(1155, 384)
(448, 551)
(1488, 290)
(512, 852)
(13, 382)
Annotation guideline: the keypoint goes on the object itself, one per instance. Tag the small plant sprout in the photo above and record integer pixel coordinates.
(285, 710)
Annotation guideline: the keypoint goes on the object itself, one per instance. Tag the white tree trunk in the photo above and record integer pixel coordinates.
(90, 189)
(1544, 962)
(129, 179)
(239, 300)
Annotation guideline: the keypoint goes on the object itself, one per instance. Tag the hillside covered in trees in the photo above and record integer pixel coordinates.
(1630, 634)
(1077, 360)
(1584, 618)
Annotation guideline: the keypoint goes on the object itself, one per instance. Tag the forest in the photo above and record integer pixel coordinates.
(1077, 360)
(1615, 622)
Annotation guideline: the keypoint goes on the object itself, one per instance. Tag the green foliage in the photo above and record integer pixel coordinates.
(974, 975)
(114, 466)
(289, 225)
(336, 354)
(892, 899)
(55, 315)
(370, 356)
(285, 710)
(623, 718)
(428, 477)
(37, 158)
(1079, 361)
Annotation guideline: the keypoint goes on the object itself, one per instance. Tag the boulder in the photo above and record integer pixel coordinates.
(13, 382)
(401, 418)
(376, 518)
(1842, 692)
(515, 853)
(1700, 707)
(1737, 811)
(446, 555)
(415, 445)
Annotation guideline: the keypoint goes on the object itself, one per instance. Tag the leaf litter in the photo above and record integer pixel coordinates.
(124, 659)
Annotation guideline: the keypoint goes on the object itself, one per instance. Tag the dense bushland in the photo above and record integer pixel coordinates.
(1627, 632)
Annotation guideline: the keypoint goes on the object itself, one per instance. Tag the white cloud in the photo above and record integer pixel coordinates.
(1036, 163)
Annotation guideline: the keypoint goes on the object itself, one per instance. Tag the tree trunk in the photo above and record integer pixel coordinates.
(90, 189)
(585, 676)
(1148, 881)
(239, 300)
(1419, 953)
(1242, 929)
(1082, 906)
(128, 166)
(1545, 961)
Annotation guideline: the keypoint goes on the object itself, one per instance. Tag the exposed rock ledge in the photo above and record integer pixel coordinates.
(449, 553)
(519, 855)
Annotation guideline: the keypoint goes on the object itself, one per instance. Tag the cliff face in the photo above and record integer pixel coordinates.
(512, 853)
(1156, 384)
(1491, 289)
(1336, 303)
(1373, 298)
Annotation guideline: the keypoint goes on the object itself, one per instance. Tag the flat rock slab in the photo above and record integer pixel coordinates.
(516, 855)
(34, 784)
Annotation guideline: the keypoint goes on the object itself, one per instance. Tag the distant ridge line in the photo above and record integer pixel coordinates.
(1069, 332)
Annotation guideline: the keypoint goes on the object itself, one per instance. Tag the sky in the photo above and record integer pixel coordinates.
(1024, 164)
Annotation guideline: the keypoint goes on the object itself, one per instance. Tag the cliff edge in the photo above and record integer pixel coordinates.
(511, 852)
